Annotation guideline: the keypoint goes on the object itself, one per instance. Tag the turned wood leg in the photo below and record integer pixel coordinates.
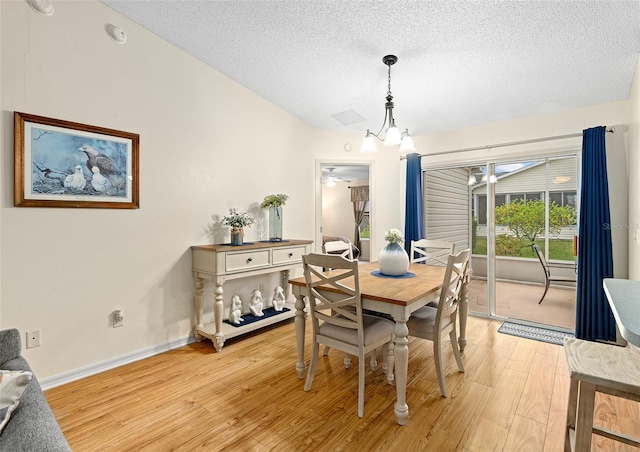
(217, 316)
(401, 355)
(285, 284)
(300, 326)
(198, 301)
(463, 309)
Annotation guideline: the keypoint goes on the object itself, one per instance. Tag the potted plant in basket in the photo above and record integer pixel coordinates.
(275, 203)
(237, 221)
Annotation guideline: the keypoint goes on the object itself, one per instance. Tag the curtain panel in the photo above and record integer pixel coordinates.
(594, 319)
(414, 220)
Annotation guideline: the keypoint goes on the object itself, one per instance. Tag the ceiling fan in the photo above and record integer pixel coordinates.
(331, 178)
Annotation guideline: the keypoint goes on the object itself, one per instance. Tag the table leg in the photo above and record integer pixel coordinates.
(217, 316)
(300, 327)
(463, 309)
(198, 301)
(401, 357)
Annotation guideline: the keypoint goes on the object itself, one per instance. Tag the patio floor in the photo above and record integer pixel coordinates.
(520, 301)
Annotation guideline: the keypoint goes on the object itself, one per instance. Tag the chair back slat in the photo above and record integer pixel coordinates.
(339, 303)
(452, 285)
(431, 252)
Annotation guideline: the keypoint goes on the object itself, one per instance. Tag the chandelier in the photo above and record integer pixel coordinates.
(392, 134)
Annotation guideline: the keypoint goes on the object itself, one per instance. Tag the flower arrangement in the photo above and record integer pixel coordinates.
(237, 219)
(274, 201)
(393, 236)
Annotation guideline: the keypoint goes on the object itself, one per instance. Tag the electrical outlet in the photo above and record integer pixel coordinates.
(118, 318)
(33, 339)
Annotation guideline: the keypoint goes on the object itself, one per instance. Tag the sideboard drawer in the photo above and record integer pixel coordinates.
(246, 261)
(286, 255)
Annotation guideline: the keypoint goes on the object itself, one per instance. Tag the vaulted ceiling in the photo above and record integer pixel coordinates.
(461, 63)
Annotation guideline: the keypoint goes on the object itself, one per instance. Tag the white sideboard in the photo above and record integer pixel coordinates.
(219, 263)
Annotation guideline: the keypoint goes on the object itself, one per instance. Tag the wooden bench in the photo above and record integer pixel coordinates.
(596, 367)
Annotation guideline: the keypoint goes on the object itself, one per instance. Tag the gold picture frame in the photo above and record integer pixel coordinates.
(60, 163)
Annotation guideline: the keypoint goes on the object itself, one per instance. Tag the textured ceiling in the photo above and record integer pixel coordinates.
(461, 63)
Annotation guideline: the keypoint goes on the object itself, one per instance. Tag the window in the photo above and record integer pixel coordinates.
(364, 230)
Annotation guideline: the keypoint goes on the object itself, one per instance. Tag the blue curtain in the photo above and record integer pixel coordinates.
(413, 226)
(594, 319)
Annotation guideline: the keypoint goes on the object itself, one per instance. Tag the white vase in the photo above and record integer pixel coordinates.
(393, 260)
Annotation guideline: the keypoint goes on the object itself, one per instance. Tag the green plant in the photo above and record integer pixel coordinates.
(365, 233)
(274, 201)
(525, 219)
(237, 219)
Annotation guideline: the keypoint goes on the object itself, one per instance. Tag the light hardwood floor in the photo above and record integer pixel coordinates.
(248, 397)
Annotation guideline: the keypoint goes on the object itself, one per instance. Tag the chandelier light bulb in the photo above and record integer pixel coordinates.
(392, 136)
(407, 142)
(331, 183)
(472, 180)
(369, 144)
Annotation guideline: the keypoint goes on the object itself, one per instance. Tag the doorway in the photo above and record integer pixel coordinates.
(337, 182)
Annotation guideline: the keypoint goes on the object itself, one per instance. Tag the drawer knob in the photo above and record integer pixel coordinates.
(249, 260)
(290, 254)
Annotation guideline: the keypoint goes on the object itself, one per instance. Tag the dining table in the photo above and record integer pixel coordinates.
(395, 296)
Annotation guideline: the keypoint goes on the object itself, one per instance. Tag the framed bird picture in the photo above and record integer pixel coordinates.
(66, 164)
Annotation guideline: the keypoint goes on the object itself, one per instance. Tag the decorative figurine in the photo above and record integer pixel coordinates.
(235, 313)
(278, 298)
(256, 303)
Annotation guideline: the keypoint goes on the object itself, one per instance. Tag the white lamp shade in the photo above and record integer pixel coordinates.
(392, 137)
(493, 179)
(331, 182)
(472, 180)
(407, 144)
(369, 144)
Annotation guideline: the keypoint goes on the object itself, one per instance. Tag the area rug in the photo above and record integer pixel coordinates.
(534, 332)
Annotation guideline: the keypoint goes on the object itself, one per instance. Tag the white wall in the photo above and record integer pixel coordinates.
(337, 211)
(634, 177)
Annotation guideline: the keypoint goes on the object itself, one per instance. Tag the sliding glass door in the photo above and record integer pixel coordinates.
(504, 210)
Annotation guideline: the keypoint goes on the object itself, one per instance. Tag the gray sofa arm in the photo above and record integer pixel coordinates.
(10, 345)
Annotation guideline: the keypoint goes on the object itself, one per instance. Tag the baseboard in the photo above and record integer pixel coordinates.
(77, 374)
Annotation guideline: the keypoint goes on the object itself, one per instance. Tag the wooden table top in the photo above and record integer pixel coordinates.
(219, 247)
(402, 291)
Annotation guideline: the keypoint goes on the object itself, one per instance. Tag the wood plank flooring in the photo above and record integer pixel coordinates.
(512, 397)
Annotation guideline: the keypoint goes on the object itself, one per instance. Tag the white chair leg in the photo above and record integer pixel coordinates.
(312, 366)
(361, 379)
(437, 354)
(456, 349)
(347, 360)
(390, 359)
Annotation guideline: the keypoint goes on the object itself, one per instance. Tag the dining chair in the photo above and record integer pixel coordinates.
(548, 277)
(338, 247)
(433, 323)
(431, 252)
(337, 318)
